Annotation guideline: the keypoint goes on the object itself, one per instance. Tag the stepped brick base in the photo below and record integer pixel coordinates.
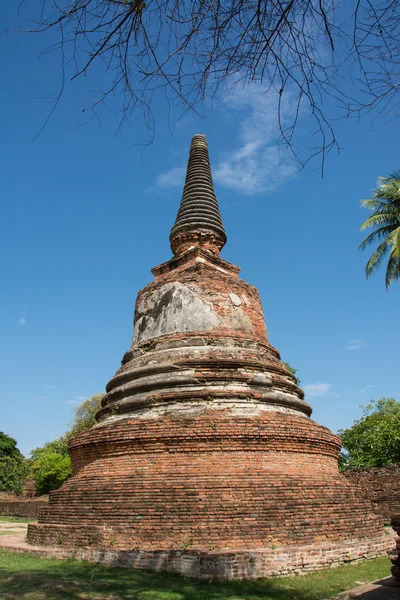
(202, 495)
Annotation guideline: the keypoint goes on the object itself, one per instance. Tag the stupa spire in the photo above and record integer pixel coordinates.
(198, 222)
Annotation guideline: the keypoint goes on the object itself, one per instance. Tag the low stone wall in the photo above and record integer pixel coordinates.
(229, 564)
(22, 508)
(381, 486)
(395, 555)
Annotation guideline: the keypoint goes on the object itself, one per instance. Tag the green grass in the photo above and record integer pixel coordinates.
(16, 520)
(26, 577)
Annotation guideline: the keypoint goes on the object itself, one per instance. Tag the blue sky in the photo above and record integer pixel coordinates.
(86, 216)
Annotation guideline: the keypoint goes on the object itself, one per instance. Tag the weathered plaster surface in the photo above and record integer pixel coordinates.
(171, 308)
(175, 307)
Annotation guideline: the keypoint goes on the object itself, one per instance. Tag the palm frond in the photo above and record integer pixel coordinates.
(386, 219)
(389, 189)
(392, 269)
(394, 240)
(376, 258)
(378, 234)
(395, 176)
(374, 204)
(385, 205)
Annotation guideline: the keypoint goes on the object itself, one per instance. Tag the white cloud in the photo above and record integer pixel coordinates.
(172, 178)
(354, 345)
(80, 398)
(22, 321)
(50, 387)
(317, 389)
(38, 398)
(257, 164)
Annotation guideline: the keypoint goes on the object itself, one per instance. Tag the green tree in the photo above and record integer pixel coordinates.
(373, 440)
(8, 446)
(13, 474)
(85, 415)
(13, 466)
(50, 465)
(385, 205)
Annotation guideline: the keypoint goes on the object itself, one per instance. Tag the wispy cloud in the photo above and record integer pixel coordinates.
(354, 345)
(50, 387)
(257, 164)
(22, 321)
(317, 389)
(184, 122)
(170, 179)
(367, 387)
(38, 398)
(76, 400)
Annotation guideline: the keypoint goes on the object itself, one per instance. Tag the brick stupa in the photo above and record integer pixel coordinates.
(205, 460)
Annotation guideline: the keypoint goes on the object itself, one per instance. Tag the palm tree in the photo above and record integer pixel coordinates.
(385, 204)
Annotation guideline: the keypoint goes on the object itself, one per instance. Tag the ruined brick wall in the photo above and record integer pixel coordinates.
(22, 508)
(395, 554)
(381, 486)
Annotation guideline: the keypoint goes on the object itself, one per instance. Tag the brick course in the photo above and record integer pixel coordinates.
(381, 485)
(21, 508)
(211, 565)
(210, 481)
(395, 552)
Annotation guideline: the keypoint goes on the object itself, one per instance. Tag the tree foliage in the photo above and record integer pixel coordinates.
(85, 415)
(13, 467)
(385, 220)
(8, 446)
(13, 474)
(293, 372)
(189, 50)
(50, 465)
(373, 440)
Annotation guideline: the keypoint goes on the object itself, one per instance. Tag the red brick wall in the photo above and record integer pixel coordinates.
(395, 554)
(205, 483)
(381, 486)
(22, 508)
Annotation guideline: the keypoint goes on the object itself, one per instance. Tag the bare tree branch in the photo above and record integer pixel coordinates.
(313, 49)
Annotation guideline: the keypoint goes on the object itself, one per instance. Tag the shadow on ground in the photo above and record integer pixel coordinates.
(27, 577)
(384, 589)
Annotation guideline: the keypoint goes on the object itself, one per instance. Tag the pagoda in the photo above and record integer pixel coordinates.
(205, 460)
